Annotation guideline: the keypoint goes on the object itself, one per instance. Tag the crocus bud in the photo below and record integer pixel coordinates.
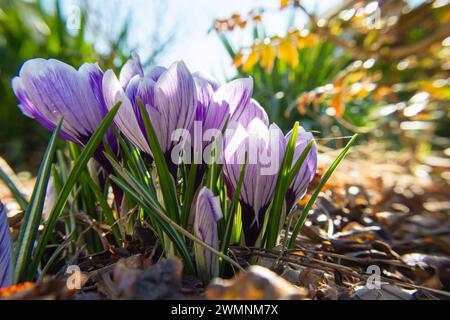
(207, 213)
(5, 250)
(307, 170)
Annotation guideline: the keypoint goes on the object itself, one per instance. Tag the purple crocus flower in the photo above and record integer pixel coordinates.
(207, 213)
(168, 95)
(49, 89)
(307, 170)
(210, 113)
(216, 103)
(5, 250)
(265, 147)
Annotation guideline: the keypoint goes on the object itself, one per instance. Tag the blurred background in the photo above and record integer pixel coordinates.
(378, 68)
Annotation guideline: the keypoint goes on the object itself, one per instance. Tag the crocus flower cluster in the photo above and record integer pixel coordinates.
(5, 250)
(174, 99)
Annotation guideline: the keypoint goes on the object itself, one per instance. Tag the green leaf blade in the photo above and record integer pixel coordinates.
(33, 214)
(316, 193)
(78, 167)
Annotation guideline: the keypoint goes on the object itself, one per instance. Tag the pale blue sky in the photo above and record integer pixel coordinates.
(192, 19)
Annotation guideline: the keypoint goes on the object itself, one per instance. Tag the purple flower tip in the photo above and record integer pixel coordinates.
(5, 250)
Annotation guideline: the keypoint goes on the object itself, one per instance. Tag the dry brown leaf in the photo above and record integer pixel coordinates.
(161, 281)
(258, 283)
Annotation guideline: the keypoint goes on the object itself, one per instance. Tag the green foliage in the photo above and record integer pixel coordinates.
(149, 189)
(359, 68)
(323, 181)
(278, 90)
(78, 167)
(83, 220)
(230, 217)
(285, 178)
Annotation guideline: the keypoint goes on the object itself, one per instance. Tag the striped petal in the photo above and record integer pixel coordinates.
(251, 111)
(307, 170)
(204, 97)
(236, 94)
(211, 114)
(168, 96)
(126, 118)
(94, 75)
(156, 72)
(216, 115)
(176, 100)
(201, 75)
(130, 69)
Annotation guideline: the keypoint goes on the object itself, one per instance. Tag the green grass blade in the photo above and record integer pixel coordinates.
(33, 214)
(133, 181)
(280, 191)
(140, 187)
(165, 178)
(56, 179)
(296, 167)
(158, 215)
(299, 163)
(190, 191)
(63, 246)
(4, 176)
(62, 165)
(126, 153)
(232, 210)
(226, 43)
(135, 162)
(103, 203)
(78, 167)
(290, 177)
(181, 230)
(314, 196)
